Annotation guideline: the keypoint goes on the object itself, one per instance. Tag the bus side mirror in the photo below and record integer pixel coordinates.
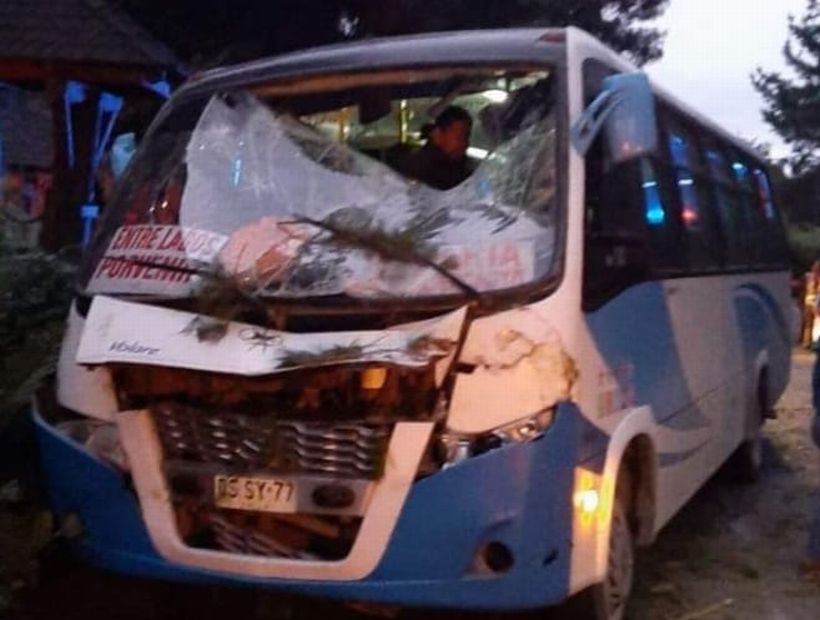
(625, 109)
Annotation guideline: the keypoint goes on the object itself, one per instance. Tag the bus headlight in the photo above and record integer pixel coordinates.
(457, 447)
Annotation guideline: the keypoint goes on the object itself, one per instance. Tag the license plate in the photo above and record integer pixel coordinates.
(258, 494)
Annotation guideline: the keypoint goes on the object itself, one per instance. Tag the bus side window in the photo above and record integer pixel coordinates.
(729, 208)
(752, 214)
(666, 254)
(615, 232)
(702, 240)
(764, 195)
(615, 243)
(773, 239)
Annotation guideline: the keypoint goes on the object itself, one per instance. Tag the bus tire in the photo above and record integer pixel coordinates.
(607, 600)
(747, 460)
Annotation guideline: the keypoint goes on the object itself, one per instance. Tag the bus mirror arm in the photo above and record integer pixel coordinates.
(625, 110)
(589, 124)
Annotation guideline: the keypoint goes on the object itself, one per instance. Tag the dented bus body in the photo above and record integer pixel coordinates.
(290, 365)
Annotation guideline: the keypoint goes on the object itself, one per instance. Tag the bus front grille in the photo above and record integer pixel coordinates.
(245, 443)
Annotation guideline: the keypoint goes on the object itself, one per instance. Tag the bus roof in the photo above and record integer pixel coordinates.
(475, 47)
(469, 47)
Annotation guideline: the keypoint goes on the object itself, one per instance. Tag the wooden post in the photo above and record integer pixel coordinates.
(62, 225)
(85, 125)
(57, 197)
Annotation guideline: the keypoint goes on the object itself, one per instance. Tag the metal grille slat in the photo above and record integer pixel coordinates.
(264, 442)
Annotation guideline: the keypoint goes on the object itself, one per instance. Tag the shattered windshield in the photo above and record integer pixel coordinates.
(410, 184)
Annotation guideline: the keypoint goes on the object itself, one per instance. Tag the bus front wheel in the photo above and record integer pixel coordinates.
(607, 600)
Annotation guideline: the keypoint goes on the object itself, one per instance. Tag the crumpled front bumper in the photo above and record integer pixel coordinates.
(519, 495)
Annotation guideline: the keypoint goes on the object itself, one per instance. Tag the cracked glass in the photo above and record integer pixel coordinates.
(304, 192)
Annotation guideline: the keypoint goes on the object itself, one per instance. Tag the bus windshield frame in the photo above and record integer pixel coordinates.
(459, 82)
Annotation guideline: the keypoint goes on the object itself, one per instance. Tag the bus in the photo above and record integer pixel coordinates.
(292, 364)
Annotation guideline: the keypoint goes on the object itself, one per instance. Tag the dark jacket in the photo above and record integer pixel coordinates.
(431, 166)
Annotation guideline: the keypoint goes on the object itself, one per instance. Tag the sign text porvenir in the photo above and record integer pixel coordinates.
(153, 259)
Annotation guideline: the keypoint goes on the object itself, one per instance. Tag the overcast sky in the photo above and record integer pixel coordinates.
(711, 48)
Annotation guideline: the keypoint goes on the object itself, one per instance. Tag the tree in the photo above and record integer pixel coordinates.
(206, 33)
(213, 31)
(614, 21)
(792, 105)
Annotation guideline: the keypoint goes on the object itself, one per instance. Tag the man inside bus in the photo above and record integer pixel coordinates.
(442, 162)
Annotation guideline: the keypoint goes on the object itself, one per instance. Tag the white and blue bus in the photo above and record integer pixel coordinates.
(291, 365)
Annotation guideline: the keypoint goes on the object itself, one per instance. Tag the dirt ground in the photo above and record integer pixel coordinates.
(735, 549)
(731, 554)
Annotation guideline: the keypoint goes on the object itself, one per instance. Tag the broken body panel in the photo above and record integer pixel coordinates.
(319, 374)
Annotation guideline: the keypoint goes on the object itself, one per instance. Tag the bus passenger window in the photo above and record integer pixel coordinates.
(742, 175)
(774, 250)
(690, 206)
(615, 246)
(702, 241)
(764, 195)
(663, 229)
(729, 209)
(753, 217)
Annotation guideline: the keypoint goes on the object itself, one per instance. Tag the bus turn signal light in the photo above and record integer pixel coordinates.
(588, 501)
(374, 378)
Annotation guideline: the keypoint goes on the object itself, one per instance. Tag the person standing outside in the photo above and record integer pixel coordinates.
(810, 567)
(812, 282)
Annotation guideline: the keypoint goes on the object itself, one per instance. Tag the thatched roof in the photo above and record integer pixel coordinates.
(78, 31)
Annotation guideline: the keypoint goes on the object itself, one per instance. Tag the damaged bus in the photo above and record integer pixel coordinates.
(291, 365)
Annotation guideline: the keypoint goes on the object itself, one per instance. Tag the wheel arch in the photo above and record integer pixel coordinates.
(637, 484)
(761, 380)
(632, 459)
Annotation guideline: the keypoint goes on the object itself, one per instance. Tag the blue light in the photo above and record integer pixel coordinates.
(110, 103)
(655, 216)
(74, 92)
(160, 87)
(742, 173)
(686, 182)
(237, 171)
(89, 214)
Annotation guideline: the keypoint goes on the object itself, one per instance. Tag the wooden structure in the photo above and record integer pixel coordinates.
(48, 45)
